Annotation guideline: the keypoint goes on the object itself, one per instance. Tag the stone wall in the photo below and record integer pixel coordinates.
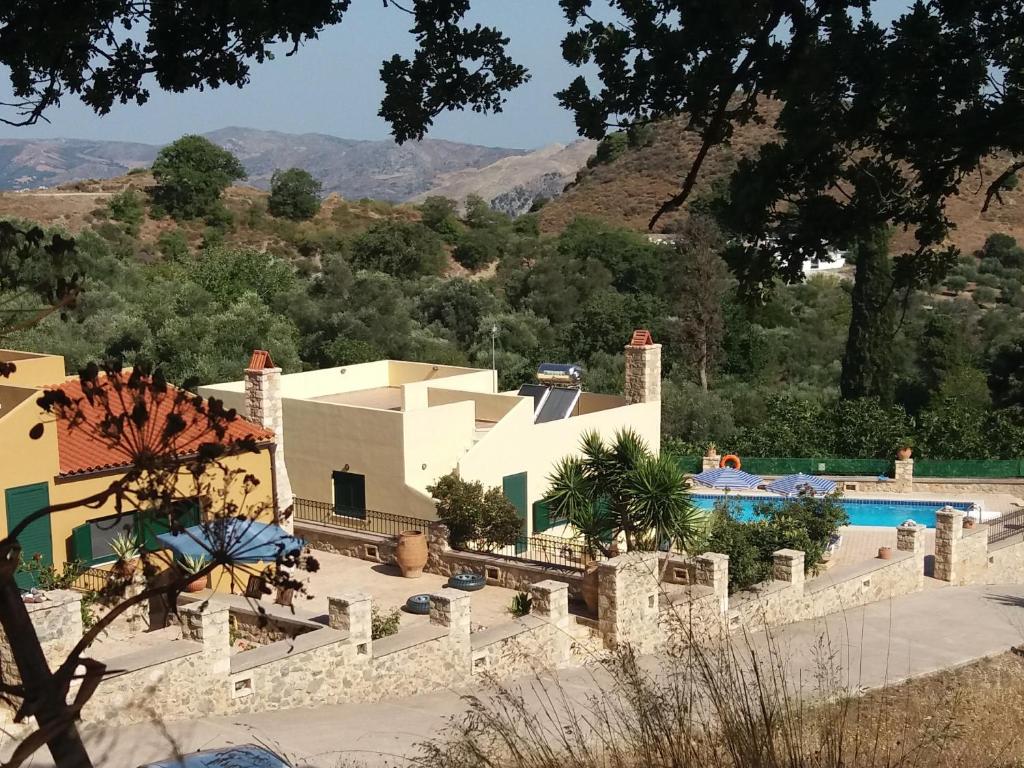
(190, 668)
(791, 597)
(628, 600)
(964, 555)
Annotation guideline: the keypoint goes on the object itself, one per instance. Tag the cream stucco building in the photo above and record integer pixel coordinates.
(374, 436)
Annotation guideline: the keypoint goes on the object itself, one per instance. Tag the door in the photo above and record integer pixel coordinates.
(514, 488)
(349, 494)
(35, 539)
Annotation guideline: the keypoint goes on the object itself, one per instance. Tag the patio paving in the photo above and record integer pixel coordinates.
(389, 589)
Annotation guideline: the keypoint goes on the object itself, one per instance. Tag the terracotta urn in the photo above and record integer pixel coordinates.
(904, 453)
(198, 585)
(968, 522)
(411, 553)
(885, 553)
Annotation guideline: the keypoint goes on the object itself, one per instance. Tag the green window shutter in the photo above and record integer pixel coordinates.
(541, 517)
(81, 543)
(514, 488)
(36, 538)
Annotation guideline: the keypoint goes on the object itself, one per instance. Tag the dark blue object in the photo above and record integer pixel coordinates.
(418, 604)
(468, 582)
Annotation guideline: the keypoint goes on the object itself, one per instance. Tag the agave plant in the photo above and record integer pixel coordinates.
(124, 547)
(193, 564)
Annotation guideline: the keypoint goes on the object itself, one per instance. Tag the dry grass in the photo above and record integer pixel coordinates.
(737, 705)
(628, 191)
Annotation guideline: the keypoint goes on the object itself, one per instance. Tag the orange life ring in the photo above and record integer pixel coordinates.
(730, 460)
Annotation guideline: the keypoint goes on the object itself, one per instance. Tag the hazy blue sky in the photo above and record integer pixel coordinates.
(332, 86)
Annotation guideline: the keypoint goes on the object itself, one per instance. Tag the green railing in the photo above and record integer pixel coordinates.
(968, 468)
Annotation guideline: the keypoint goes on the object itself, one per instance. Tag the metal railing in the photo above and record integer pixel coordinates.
(548, 550)
(1006, 526)
(92, 580)
(366, 520)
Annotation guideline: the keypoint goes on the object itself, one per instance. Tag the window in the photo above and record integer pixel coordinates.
(349, 494)
(90, 542)
(150, 523)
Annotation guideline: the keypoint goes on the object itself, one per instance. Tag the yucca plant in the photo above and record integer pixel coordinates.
(622, 488)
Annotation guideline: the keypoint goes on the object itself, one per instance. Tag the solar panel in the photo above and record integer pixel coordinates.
(537, 392)
(559, 405)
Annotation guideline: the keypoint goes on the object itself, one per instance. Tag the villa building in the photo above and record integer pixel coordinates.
(64, 464)
(374, 436)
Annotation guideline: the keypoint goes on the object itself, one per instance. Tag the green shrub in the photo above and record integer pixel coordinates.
(128, 208)
(474, 516)
(384, 624)
(806, 523)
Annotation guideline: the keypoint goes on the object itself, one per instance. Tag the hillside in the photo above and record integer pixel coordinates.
(512, 183)
(628, 190)
(352, 168)
(79, 205)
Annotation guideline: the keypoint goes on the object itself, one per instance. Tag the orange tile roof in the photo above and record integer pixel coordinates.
(81, 451)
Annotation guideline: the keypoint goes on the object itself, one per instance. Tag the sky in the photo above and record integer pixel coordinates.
(332, 86)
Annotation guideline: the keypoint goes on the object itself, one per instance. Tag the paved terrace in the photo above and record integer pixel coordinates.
(879, 643)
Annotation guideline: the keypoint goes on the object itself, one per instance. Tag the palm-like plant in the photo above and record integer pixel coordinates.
(623, 488)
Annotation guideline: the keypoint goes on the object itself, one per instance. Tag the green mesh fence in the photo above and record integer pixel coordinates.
(780, 466)
(869, 467)
(968, 468)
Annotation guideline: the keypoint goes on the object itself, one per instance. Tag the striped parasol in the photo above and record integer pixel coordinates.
(792, 485)
(728, 479)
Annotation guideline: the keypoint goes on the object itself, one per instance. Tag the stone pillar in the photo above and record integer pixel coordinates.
(643, 369)
(627, 608)
(352, 613)
(207, 622)
(949, 533)
(550, 601)
(437, 547)
(710, 461)
(910, 538)
(263, 407)
(788, 566)
(903, 475)
(451, 608)
(713, 572)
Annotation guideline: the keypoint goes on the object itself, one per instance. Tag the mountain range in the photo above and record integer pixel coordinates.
(353, 168)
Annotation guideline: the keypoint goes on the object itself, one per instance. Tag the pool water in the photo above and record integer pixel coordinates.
(861, 511)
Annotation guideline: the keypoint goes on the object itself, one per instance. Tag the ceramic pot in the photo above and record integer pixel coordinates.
(968, 522)
(885, 553)
(904, 453)
(197, 585)
(589, 588)
(411, 553)
(125, 569)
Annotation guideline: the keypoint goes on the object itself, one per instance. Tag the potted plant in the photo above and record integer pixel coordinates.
(968, 521)
(191, 565)
(126, 549)
(885, 553)
(904, 449)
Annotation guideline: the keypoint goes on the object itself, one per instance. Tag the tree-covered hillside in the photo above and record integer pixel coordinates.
(365, 281)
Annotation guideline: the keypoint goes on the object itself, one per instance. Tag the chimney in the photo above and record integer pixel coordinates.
(263, 407)
(643, 369)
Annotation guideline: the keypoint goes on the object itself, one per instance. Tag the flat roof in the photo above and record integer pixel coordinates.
(387, 398)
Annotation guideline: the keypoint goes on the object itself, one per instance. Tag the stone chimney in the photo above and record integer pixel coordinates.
(263, 407)
(643, 369)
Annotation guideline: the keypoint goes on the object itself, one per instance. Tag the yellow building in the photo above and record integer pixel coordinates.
(63, 465)
(374, 436)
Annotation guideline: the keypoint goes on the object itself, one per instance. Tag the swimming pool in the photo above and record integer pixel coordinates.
(883, 512)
